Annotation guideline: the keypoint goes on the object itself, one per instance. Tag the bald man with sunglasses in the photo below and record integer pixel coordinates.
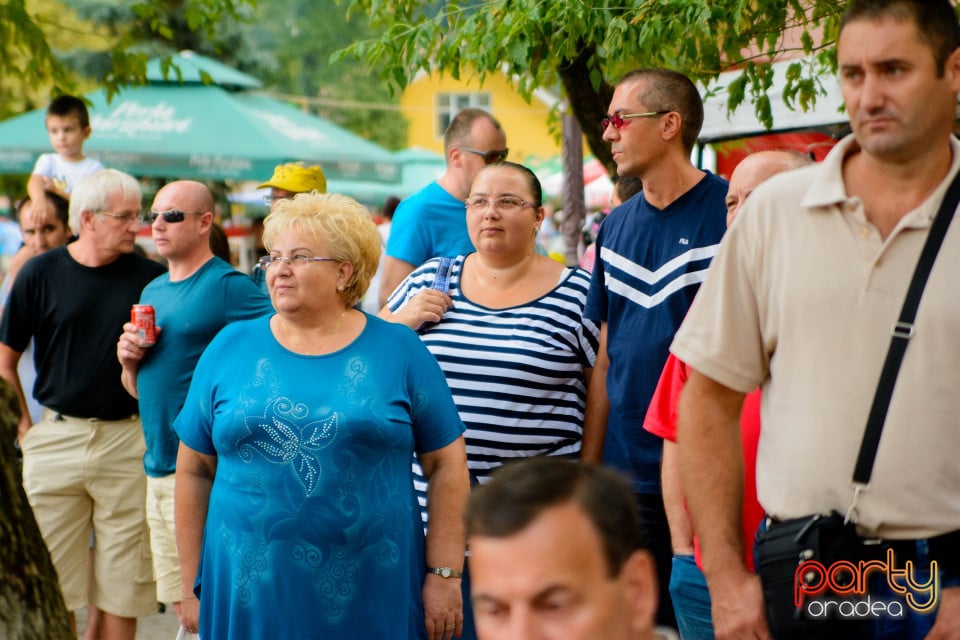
(197, 297)
(433, 222)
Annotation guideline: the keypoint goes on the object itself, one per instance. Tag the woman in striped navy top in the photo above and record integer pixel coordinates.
(509, 330)
(507, 327)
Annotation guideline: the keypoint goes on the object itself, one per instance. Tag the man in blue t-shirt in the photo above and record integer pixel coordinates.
(197, 297)
(432, 223)
(652, 255)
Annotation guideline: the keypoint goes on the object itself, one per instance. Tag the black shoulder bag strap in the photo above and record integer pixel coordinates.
(902, 332)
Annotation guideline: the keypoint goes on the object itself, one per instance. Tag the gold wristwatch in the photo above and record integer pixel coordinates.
(445, 572)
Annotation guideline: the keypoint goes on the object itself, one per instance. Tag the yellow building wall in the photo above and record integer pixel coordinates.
(526, 126)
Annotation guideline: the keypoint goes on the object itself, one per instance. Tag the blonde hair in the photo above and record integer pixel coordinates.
(344, 223)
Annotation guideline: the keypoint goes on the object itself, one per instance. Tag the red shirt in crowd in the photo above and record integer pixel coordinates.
(661, 421)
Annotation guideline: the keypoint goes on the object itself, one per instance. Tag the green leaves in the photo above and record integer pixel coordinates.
(587, 45)
(115, 38)
(582, 46)
(27, 55)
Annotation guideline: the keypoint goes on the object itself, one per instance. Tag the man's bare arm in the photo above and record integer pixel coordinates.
(711, 465)
(598, 405)
(671, 482)
(37, 186)
(394, 271)
(9, 359)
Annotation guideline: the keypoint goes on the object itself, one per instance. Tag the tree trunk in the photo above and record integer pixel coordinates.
(588, 103)
(31, 607)
(574, 208)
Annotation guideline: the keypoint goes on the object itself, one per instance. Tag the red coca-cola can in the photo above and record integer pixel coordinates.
(145, 319)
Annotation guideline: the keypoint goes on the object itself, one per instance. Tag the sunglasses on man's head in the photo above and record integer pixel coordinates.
(489, 157)
(173, 216)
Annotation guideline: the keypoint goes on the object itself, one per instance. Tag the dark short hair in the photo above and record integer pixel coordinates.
(533, 182)
(519, 492)
(64, 106)
(61, 207)
(459, 130)
(668, 90)
(389, 206)
(18, 207)
(627, 186)
(936, 22)
(219, 243)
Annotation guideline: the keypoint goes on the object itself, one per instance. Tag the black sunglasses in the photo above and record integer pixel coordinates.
(489, 157)
(172, 216)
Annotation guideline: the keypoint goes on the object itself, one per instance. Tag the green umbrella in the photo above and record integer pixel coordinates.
(420, 168)
(203, 132)
(189, 67)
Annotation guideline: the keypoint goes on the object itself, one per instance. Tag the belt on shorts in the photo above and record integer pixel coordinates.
(60, 417)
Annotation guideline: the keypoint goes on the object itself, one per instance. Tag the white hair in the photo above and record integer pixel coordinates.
(94, 191)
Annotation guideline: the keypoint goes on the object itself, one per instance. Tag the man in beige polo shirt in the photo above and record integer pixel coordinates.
(801, 300)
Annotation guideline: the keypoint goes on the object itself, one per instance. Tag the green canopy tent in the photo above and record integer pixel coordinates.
(186, 129)
(420, 168)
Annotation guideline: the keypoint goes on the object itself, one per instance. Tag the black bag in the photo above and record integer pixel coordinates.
(781, 550)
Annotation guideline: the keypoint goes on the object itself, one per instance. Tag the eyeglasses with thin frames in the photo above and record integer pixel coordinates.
(124, 218)
(503, 203)
(294, 262)
(173, 216)
(619, 120)
(489, 157)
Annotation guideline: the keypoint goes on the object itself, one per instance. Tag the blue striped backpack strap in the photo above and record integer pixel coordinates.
(441, 281)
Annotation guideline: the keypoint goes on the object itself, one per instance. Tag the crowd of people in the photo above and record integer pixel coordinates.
(510, 447)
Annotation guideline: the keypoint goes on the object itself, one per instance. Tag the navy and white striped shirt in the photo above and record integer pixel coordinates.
(650, 263)
(516, 374)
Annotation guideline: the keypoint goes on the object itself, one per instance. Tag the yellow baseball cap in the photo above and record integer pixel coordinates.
(296, 177)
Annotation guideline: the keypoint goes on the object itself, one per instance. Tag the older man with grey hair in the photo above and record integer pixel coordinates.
(82, 459)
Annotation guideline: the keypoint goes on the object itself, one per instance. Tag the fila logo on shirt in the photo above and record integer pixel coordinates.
(684, 241)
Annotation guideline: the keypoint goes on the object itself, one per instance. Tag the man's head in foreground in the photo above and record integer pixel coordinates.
(555, 553)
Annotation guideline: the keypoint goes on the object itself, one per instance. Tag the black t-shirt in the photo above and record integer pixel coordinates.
(76, 314)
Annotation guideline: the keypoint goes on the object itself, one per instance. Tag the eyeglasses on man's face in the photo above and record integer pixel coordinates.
(122, 218)
(619, 120)
(503, 203)
(489, 157)
(295, 261)
(172, 216)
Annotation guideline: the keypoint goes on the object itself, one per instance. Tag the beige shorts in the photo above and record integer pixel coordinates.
(88, 474)
(163, 542)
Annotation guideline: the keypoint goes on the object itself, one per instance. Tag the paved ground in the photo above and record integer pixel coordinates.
(160, 626)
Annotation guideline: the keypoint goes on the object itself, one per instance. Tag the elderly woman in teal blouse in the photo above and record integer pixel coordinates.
(295, 510)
